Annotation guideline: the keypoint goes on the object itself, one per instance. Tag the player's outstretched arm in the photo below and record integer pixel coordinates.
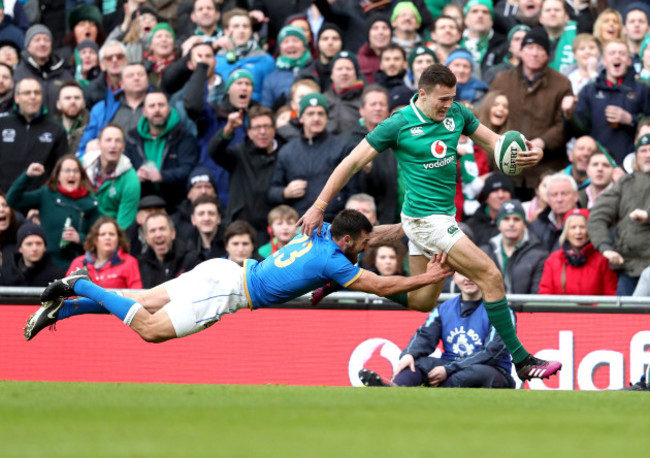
(358, 157)
(369, 282)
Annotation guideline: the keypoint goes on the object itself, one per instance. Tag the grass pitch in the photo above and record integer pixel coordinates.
(138, 420)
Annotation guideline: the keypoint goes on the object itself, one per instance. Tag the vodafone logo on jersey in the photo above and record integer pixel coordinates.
(377, 346)
(439, 149)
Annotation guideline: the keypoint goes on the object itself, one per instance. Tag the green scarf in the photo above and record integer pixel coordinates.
(154, 147)
(564, 58)
(289, 63)
(477, 48)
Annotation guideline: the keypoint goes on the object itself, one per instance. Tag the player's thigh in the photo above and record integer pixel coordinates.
(472, 262)
(153, 328)
(152, 299)
(200, 297)
(423, 299)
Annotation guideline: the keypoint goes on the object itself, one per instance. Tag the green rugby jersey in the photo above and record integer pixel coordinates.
(426, 152)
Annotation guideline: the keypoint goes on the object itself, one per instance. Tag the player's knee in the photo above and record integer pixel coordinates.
(151, 334)
(421, 306)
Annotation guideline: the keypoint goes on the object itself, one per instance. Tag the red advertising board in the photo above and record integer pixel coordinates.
(304, 347)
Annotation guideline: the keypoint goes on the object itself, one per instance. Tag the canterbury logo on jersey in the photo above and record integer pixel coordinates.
(416, 131)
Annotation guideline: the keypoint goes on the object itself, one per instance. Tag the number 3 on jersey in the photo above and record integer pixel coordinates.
(299, 250)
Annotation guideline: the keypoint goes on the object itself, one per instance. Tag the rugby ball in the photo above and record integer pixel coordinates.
(506, 151)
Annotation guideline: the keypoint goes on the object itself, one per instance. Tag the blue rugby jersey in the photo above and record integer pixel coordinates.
(298, 268)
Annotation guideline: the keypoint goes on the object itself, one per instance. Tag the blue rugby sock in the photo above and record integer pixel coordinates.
(120, 306)
(81, 306)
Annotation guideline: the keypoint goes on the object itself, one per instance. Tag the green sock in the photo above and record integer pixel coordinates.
(402, 298)
(501, 318)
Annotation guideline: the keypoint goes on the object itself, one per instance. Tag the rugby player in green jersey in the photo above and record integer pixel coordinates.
(423, 136)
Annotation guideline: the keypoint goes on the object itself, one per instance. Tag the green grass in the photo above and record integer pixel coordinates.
(109, 420)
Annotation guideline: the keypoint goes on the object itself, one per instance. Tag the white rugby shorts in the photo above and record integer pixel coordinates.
(431, 234)
(199, 297)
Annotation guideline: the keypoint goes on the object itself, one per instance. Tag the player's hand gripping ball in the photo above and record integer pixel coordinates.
(506, 151)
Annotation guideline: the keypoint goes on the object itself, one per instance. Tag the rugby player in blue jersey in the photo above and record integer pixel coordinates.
(198, 299)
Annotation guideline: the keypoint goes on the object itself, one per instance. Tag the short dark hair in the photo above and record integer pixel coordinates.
(444, 16)
(240, 227)
(71, 83)
(393, 47)
(436, 74)
(157, 91)
(259, 110)
(206, 199)
(350, 222)
(11, 70)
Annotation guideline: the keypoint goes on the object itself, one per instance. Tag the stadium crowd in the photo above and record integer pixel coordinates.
(141, 138)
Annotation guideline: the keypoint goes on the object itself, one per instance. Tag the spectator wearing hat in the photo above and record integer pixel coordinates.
(199, 182)
(419, 59)
(10, 53)
(561, 33)
(160, 52)
(86, 62)
(134, 31)
(610, 107)
(497, 189)
(577, 268)
(329, 44)
(486, 45)
(305, 163)
(161, 151)
(6, 88)
(344, 96)
(468, 89)
(74, 115)
(246, 52)
(39, 62)
(29, 264)
(30, 134)
(516, 251)
(380, 182)
(166, 256)
(512, 58)
(636, 26)
(538, 92)
(624, 209)
(399, 97)
(392, 67)
(147, 205)
(562, 197)
(9, 31)
(85, 23)
(294, 56)
(229, 118)
(378, 36)
(250, 165)
(446, 35)
(66, 204)
(406, 21)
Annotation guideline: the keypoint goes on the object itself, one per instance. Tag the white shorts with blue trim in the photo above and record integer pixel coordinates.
(199, 297)
(431, 234)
